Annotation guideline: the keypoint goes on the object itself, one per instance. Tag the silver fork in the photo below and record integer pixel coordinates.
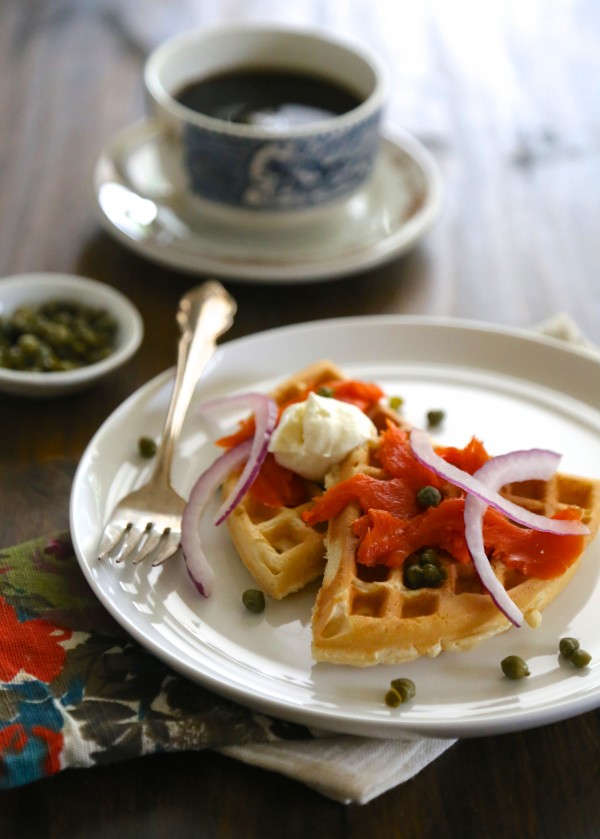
(148, 520)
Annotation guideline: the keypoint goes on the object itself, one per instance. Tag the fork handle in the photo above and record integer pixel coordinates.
(204, 313)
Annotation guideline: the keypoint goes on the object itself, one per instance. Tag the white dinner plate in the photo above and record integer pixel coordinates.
(512, 389)
(142, 201)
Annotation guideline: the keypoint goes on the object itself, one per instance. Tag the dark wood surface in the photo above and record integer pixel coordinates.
(507, 100)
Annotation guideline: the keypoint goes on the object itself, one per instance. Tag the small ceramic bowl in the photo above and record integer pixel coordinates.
(35, 289)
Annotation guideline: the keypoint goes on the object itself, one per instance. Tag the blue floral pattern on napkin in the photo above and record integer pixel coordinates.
(77, 691)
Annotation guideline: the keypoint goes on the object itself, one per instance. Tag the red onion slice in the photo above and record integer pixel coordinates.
(265, 418)
(253, 452)
(196, 563)
(516, 466)
(425, 454)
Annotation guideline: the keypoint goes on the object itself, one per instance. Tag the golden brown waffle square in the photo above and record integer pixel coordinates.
(278, 549)
(365, 616)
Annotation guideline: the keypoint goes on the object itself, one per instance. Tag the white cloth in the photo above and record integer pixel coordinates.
(563, 327)
(352, 770)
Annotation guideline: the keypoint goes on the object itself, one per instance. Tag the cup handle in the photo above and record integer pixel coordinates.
(144, 156)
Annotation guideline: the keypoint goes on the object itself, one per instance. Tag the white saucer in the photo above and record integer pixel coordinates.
(143, 206)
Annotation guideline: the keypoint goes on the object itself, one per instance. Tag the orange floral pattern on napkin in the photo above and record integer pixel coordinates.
(77, 691)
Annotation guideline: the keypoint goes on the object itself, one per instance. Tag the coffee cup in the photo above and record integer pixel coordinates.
(267, 123)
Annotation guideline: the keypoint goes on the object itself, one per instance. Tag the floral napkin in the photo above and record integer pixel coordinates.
(77, 691)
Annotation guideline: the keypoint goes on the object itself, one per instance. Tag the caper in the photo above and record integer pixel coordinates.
(325, 390)
(514, 667)
(6, 330)
(423, 570)
(580, 658)
(23, 319)
(429, 556)
(77, 347)
(66, 364)
(16, 359)
(404, 687)
(49, 361)
(58, 309)
(99, 354)
(105, 322)
(58, 335)
(413, 576)
(393, 698)
(254, 600)
(567, 646)
(435, 417)
(429, 496)
(433, 575)
(396, 403)
(29, 345)
(147, 447)
(88, 336)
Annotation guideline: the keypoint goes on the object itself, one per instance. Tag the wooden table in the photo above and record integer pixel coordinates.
(506, 97)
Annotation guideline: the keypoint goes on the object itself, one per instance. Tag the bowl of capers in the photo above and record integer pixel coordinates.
(60, 333)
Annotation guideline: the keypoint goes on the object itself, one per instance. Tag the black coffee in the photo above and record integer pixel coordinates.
(268, 98)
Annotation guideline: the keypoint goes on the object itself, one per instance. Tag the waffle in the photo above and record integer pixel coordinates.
(278, 549)
(365, 615)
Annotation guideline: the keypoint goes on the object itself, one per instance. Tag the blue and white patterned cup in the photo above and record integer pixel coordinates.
(243, 172)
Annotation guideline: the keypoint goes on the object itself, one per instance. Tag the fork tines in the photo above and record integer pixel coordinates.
(125, 540)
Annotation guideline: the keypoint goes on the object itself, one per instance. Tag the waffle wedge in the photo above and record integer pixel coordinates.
(278, 549)
(366, 615)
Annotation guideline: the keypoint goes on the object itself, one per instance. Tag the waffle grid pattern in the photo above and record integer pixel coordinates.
(365, 615)
(278, 549)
